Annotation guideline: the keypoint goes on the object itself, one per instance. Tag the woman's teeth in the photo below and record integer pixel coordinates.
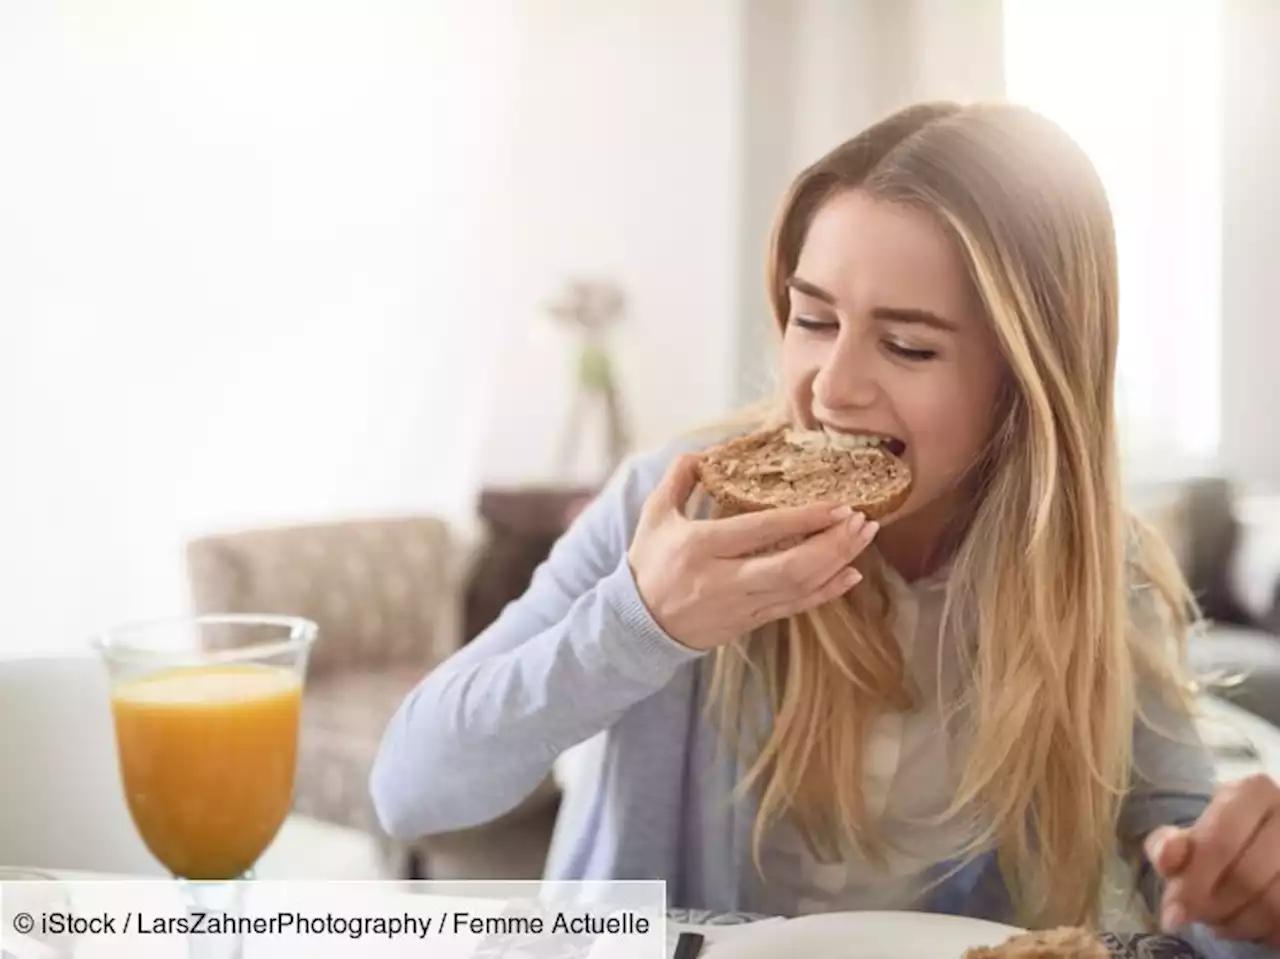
(827, 438)
(853, 441)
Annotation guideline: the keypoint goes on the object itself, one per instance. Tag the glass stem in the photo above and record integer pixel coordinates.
(214, 905)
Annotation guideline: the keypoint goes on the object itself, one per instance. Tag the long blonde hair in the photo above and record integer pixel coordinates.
(1045, 563)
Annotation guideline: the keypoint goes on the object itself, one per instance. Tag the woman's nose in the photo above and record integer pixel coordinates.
(847, 377)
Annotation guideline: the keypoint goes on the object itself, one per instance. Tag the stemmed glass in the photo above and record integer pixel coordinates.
(26, 893)
(206, 712)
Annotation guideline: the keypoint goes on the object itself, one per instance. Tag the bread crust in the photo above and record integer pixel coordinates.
(721, 473)
(1065, 942)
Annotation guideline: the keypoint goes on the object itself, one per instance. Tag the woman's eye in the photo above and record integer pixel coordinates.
(907, 353)
(813, 323)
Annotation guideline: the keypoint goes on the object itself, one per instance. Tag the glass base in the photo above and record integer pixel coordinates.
(215, 909)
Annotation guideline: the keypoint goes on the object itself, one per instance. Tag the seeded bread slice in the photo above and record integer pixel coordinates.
(782, 466)
(1062, 943)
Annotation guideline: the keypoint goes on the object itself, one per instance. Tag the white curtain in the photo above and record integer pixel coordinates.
(1138, 85)
(244, 281)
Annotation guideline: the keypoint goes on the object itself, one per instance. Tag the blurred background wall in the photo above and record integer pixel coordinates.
(270, 263)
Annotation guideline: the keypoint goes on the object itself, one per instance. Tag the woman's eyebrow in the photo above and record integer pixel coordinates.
(923, 317)
(891, 313)
(811, 289)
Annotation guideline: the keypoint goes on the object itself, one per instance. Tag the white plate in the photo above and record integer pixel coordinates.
(862, 935)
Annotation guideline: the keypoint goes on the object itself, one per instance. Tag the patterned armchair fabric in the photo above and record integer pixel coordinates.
(385, 594)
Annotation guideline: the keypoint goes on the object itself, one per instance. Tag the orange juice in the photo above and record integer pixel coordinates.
(208, 756)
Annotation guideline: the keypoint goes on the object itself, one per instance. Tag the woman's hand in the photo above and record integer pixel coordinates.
(1224, 871)
(701, 581)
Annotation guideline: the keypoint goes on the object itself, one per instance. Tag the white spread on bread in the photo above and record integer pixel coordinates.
(815, 441)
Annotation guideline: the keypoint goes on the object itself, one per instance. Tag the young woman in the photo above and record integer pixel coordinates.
(979, 717)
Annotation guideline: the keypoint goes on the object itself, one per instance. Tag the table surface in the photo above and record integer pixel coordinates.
(1226, 728)
(715, 927)
(722, 927)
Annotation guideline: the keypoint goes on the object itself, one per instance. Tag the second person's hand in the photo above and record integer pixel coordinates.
(705, 582)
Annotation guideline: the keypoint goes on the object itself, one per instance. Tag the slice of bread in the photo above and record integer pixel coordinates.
(1062, 943)
(783, 466)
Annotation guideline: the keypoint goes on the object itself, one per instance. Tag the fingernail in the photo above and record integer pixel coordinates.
(853, 578)
(840, 512)
(1157, 849)
(871, 529)
(1173, 917)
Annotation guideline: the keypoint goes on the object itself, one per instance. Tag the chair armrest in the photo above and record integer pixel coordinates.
(383, 591)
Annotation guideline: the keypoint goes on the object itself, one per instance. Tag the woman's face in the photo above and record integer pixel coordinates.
(886, 336)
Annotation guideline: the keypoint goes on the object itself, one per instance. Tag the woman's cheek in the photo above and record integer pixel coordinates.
(799, 369)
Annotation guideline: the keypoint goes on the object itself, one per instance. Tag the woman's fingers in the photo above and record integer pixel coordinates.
(1220, 839)
(1254, 876)
(1169, 849)
(737, 536)
(802, 569)
(690, 573)
(1258, 921)
(1229, 877)
(673, 491)
(1253, 926)
(1259, 867)
(835, 587)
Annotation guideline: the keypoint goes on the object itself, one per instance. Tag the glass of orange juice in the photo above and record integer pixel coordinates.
(206, 713)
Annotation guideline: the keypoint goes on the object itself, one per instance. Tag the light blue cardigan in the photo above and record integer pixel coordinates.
(579, 654)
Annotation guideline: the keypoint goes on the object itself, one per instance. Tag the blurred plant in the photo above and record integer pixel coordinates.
(590, 309)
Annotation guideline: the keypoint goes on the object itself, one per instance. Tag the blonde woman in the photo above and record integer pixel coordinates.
(982, 714)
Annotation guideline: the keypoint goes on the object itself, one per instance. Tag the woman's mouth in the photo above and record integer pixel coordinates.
(860, 439)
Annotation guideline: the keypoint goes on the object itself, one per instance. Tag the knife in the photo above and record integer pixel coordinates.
(689, 945)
